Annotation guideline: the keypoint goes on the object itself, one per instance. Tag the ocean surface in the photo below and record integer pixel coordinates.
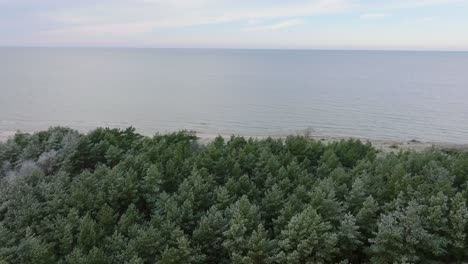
(365, 94)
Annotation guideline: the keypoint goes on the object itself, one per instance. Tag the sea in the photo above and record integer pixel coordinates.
(380, 95)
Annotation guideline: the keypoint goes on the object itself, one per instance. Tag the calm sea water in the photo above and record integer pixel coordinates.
(377, 95)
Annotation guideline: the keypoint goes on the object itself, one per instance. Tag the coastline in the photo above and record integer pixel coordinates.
(380, 144)
(384, 145)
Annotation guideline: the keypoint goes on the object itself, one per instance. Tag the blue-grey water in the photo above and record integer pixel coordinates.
(367, 94)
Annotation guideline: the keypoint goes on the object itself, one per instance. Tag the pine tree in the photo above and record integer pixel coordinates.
(401, 235)
(208, 236)
(458, 220)
(106, 219)
(349, 237)
(181, 253)
(89, 233)
(271, 205)
(112, 196)
(328, 162)
(33, 250)
(243, 220)
(357, 195)
(308, 239)
(261, 249)
(367, 216)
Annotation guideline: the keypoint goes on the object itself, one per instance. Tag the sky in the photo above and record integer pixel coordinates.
(268, 24)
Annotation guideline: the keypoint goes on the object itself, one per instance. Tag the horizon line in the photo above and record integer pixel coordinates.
(231, 48)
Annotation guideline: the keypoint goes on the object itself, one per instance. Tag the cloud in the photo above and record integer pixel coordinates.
(113, 29)
(373, 16)
(133, 17)
(277, 26)
(408, 4)
(287, 23)
(208, 22)
(144, 16)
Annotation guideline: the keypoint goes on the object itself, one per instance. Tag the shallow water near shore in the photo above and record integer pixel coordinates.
(364, 94)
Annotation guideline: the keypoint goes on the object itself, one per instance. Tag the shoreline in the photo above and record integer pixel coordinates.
(385, 145)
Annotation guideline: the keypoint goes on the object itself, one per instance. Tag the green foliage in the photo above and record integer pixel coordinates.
(113, 196)
(308, 239)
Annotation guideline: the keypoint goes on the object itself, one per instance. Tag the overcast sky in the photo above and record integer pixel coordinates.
(304, 24)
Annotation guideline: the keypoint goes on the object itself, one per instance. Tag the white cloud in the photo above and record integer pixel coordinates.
(132, 17)
(214, 22)
(418, 3)
(147, 15)
(287, 23)
(277, 26)
(113, 29)
(373, 16)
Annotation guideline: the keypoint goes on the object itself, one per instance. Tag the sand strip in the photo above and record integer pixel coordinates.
(383, 145)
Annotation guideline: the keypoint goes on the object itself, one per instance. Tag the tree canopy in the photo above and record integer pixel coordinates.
(114, 196)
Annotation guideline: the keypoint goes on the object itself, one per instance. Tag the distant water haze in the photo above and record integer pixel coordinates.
(364, 94)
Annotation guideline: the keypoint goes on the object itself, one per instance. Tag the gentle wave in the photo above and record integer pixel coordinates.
(378, 95)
